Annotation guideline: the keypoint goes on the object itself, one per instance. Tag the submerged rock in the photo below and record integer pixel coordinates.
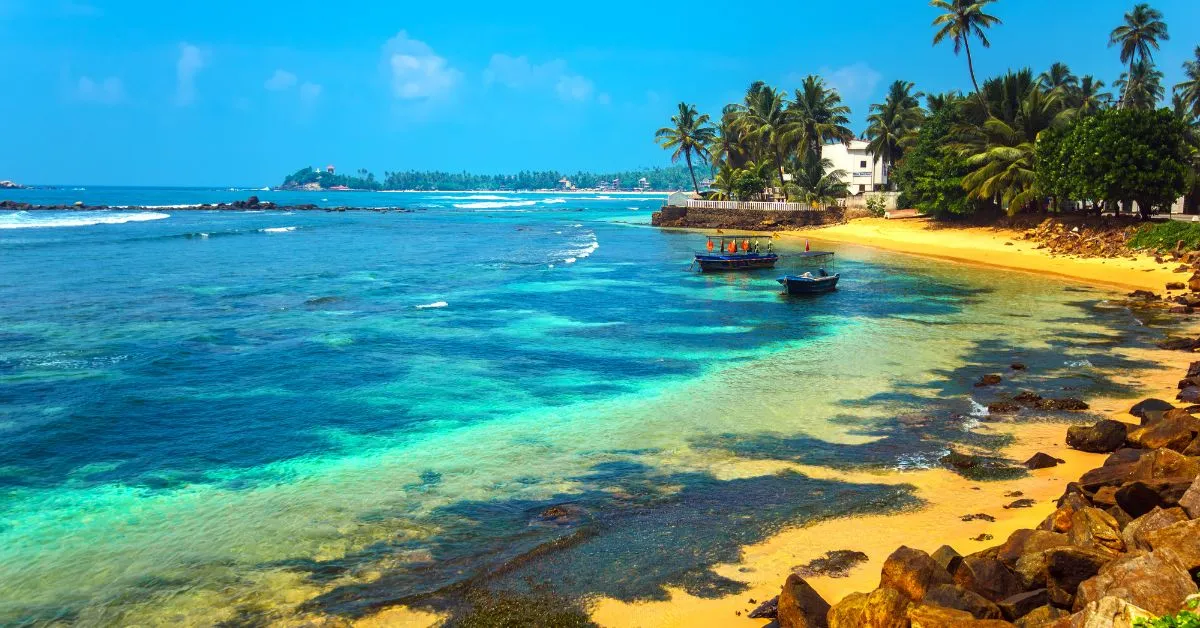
(990, 379)
(1003, 407)
(835, 564)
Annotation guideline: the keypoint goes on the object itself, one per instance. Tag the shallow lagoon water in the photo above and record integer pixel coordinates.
(243, 416)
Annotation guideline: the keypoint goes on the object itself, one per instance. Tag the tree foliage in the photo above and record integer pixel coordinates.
(930, 175)
(1125, 155)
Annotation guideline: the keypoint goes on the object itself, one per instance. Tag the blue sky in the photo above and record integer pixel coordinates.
(240, 93)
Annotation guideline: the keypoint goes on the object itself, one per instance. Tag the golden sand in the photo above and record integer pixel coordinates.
(990, 246)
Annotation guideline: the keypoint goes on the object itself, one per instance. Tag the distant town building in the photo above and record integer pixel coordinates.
(329, 169)
(565, 184)
(643, 184)
(863, 173)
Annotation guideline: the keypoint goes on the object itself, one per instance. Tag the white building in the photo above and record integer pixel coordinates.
(864, 173)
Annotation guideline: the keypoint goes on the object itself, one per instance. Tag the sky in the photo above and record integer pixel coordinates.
(220, 92)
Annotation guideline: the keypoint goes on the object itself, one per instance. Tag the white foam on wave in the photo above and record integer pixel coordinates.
(473, 197)
(554, 201)
(277, 229)
(495, 204)
(570, 260)
(584, 249)
(435, 304)
(1079, 364)
(27, 220)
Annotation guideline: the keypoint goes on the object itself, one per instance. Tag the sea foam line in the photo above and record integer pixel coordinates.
(494, 204)
(26, 220)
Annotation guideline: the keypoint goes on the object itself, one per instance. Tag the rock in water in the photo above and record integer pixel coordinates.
(800, 606)
(835, 564)
(990, 379)
(1042, 461)
(1003, 407)
(1103, 437)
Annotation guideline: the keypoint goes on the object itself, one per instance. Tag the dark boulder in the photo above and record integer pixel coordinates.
(988, 577)
(1103, 437)
(1024, 541)
(1178, 344)
(1017, 366)
(1067, 567)
(1023, 603)
(1140, 408)
(913, 573)
(1124, 455)
(1109, 475)
(1042, 461)
(1156, 581)
(1190, 394)
(1021, 503)
(1027, 397)
(954, 596)
(800, 606)
(766, 610)
(1066, 404)
(1140, 497)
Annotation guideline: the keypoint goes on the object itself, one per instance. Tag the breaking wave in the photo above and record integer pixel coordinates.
(277, 229)
(494, 204)
(27, 220)
(435, 304)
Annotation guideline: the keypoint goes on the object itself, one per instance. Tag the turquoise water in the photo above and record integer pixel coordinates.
(242, 417)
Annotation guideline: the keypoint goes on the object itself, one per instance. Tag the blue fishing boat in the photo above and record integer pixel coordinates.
(810, 283)
(736, 253)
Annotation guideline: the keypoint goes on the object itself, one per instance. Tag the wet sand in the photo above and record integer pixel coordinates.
(989, 246)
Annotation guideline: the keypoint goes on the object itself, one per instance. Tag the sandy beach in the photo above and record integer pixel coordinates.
(989, 246)
(947, 496)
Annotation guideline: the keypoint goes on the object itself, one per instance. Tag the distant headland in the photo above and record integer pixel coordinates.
(643, 180)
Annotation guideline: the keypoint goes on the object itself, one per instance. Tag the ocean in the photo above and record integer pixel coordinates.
(246, 417)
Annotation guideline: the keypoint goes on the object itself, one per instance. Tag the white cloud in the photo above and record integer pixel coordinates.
(572, 87)
(280, 80)
(309, 92)
(853, 81)
(109, 91)
(191, 61)
(520, 73)
(415, 71)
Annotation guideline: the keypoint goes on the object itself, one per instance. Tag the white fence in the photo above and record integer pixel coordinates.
(756, 205)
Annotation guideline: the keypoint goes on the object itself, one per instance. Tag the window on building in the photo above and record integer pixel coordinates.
(862, 164)
(862, 188)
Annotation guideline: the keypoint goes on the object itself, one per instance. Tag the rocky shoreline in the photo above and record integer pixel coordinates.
(250, 204)
(1123, 545)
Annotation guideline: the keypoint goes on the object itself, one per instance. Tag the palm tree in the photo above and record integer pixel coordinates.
(1141, 87)
(1001, 153)
(961, 20)
(731, 144)
(936, 103)
(764, 116)
(819, 116)
(1142, 30)
(690, 134)
(1189, 90)
(893, 124)
(1059, 77)
(1088, 98)
(817, 183)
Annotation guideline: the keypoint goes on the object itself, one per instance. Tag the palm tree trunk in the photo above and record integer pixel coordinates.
(971, 69)
(779, 162)
(695, 184)
(1124, 101)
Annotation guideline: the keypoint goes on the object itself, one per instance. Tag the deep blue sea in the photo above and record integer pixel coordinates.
(247, 417)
